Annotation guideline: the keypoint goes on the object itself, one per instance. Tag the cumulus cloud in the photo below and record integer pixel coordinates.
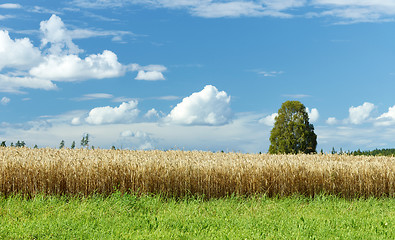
(386, 119)
(58, 60)
(149, 76)
(331, 121)
(73, 68)
(5, 100)
(138, 140)
(269, 120)
(76, 121)
(18, 53)
(55, 34)
(153, 113)
(207, 107)
(149, 72)
(358, 115)
(313, 114)
(126, 112)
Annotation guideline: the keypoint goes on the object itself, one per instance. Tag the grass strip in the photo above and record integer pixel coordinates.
(127, 216)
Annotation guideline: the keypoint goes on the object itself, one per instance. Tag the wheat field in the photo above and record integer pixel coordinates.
(181, 173)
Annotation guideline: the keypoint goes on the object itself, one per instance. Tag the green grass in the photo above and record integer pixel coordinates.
(153, 217)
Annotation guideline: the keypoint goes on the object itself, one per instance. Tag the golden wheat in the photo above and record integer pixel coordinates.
(179, 173)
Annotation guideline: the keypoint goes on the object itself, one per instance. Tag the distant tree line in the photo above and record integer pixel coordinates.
(84, 143)
(375, 152)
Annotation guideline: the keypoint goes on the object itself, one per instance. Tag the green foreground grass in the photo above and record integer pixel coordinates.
(153, 217)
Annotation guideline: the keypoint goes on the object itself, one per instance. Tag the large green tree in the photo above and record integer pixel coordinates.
(292, 132)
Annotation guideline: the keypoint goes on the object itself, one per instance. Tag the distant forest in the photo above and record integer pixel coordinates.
(376, 152)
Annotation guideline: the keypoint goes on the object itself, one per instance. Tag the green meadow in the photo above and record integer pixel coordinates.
(127, 216)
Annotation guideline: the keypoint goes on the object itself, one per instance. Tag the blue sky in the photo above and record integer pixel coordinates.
(196, 74)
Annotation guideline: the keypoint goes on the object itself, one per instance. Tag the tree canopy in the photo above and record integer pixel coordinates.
(292, 132)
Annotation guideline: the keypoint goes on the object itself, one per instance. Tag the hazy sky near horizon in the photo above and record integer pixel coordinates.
(196, 74)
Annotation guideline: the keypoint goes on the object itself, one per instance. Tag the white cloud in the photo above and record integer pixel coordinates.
(349, 11)
(270, 73)
(148, 68)
(149, 72)
(358, 115)
(5, 100)
(168, 98)
(269, 120)
(88, 33)
(76, 121)
(207, 107)
(354, 11)
(18, 53)
(296, 95)
(126, 112)
(152, 114)
(331, 121)
(313, 114)
(386, 119)
(73, 68)
(56, 34)
(29, 67)
(227, 9)
(137, 140)
(205, 8)
(149, 76)
(14, 84)
(10, 6)
(283, 4)
(93, 96)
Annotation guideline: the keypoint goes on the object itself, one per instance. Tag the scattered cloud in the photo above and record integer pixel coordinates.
(10, 6)
(55, 33)
(207, 107)
(149, 76)
(152, 114)
(93, 96)
(58, 59)
(137, 140)
(126, 112)
(76, 121)
(38, 9)
(149, 72)
(297, 96)
(18, 53)
(117, 36)
(353, 11)
(270, 74)
(168, 98)
(313, 114)
(332, 121)
(358, 115)
(269, 120)
(344, 11)
(70, 68)
(122, 99)
(13, 84)
(5, 100)
(386, 119)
